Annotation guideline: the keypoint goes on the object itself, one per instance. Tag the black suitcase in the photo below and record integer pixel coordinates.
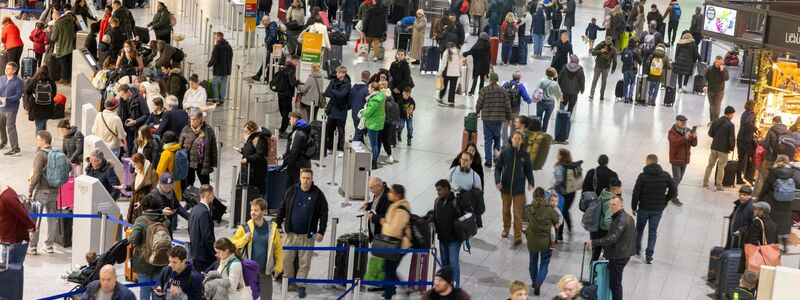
(64, 229)
(143, 34)
(563, 125)
(402, 40)
(705, 50)
(359, 240)
(27, 66)
(317, 126)
(698, 84)
(430, 59)
(335, 52)
(129, 4)
(728, 274)
(713, 263)
(730, 173)
(669, 96)
(640, 94)
(332, 65)
(12, 282)
(245, 192)
(619, 90)
(515, 59)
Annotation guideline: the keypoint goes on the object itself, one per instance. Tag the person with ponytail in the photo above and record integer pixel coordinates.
(230, 267)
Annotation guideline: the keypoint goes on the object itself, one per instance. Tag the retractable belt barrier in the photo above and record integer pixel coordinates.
(76, 292)
(93, 216)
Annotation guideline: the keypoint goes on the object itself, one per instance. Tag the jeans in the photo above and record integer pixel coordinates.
(603, 74)
(65, 65)
(450, 251)
(628, 84)
(524, 40)
(220, 86)
(406, 123)
(505, 55)
(677, 173)
(543, 110)
(359, 134)
(390, 271)
(746, 164)
(615, 269)
(40, 124)
(8, 129)
(538, 40)
(714, 103)
(374, 144)
(652, 91)
(491, 138)
(642, 218)
(569, 31)
(720, 159)
(450, 85)
(146, 291)
(173, 219)
(204, 178)
(683, 80)
(537, 270)
(48, 198)
(348, 28)
(569, 101)
(494, 29)
(672, 31)
(387, 137)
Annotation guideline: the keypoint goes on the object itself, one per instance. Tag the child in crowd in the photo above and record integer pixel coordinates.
(591, 33)
(746, 288)
(552, 200)
(407, 107)
(40, 40)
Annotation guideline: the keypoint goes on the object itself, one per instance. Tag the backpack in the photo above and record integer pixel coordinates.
(573, 177)
(657, 66)
(627, 57)
(538, 146)
(592, 209)
(627, 5)
(464, 6)
(513, 93)
(156, 244)
(784, 190)
(649, 43)
(676, 12)
(279, 82)
(178, 55)
(787, 145)
(471, 122)
(172, 20)
(43, 94)
(510, 33)
(180, 168)
(249, 274)
(420, 232)
(466, 226)
(311, 150)
(58, 167)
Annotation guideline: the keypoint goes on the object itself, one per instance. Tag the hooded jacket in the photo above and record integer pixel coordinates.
(72, 145)
(654, 188)
(36, 111)
(165, 52)
(294, 156)
(189, 280)
(374, 113)
(637, 57)
(173, 120)
(138, 239)
(63, 34)
(254, 151)
(686, 55)
(680, 145)
(723, 133)
(358, 98)
(221, 58)
(160, 22)
(312, 89)
(605, 212)
(537, 26)
(658, 53)
(745, 139)
(445, 212)
(741, 219)
(620, 242)
(173, 82)
(120, 292)
(375, 21)
(167, 164)
(540, 219)
(126, 21)
(513, 168)
(772, 140)
(392, 111)
(318, 221)
(276, 247)
(289, 71)
(605, 60)
(571, 79)
(339, 93)
(480, 53)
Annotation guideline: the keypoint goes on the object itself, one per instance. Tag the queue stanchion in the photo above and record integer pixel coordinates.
(189, 72)
(219, 158)
(239, 88)
(233, 194)
(103, 220)
(235, 88)
(247, 104)
(201, 25)
(356, 293)
(236, 28)
(332, 257)
(284, 287)
(209, 39)
(230, 85)
(335, 157)
(351, 256)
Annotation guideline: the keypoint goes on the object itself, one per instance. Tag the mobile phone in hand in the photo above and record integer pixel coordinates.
(694, 128)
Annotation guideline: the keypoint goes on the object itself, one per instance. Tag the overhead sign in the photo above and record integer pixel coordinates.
(250, 14)
(312, 52)
(783, 33)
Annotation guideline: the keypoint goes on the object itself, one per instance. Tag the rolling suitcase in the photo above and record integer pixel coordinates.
(713, 263)
(698, 84)
(468, 138)
(728, 274)
(640, 93)
(494, 43)
(563, 124)
(316, 125)
(705, 50)
(129, 274)
(245, 192)
(669, 96)
(430, 59)
(28, 65)
(359, 240)
(276, 186)
(598, 275)
(66, 194)
(12, 277)
(515, 59)
(729, 179)
(619, 91)
(332, 65)
(64, 229)
(402, 40)
(335, 52)
(419, 270)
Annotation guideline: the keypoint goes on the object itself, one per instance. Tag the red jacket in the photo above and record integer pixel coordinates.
(11, 37)
(103, 26)
(680, 146)
(13, 218)
(503, 27)
(40, 41)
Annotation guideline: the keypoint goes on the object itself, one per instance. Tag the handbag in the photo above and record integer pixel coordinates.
(321, 102)
(382, 241)
(375, 269)
(538, 94)
(439, 83)
(763, 254)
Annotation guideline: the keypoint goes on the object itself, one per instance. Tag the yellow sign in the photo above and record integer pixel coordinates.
(312, 43)
(250, 13)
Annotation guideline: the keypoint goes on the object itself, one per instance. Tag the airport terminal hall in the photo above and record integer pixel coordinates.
(399, 149)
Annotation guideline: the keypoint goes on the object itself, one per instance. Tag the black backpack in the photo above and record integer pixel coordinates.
(312, 136)
(178, 55)
(513, 93)
(279, 82)
(510, 33)
(420, 232)
(43, 95)
(627, 56)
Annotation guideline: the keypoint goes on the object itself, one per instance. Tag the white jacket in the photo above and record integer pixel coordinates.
(452, 62)
(113, 137)
(322, 29)
(196, 98)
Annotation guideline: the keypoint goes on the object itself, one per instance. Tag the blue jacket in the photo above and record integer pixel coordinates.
(12, 90)
(523, 93)
(495, 12)
(193, 290)
(201, 233)
(106, 175)
(358, 98)
(538, 22)
(271, 34)
(121, 292)
(339, 92)
(513, 168)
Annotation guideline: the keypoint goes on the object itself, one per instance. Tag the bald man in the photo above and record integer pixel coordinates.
(378, 206)
(106, 288)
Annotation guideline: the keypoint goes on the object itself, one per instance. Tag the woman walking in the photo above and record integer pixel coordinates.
(562, 49)
(564, 163)
(450, 70)
(395, 224)
(480, 53)
(686, 56)
(551, 94)
(541, 219)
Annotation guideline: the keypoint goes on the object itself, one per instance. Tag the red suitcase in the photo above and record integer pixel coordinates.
(282, 11)
(66, 194)
(467, 138)
(493, 46)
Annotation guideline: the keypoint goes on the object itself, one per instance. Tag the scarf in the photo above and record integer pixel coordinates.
(140, 175)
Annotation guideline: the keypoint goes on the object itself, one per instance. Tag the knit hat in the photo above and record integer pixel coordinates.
(763, 206)
(574, 63)
(493, 77)
(446, 274)
(746, 189)
(60, 99)
(111, 103)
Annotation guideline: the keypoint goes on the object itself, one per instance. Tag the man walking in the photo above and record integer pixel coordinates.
(39, 189)
(448, 208)
(338, 91)
(493, 101)
(605, 61)
(303, 217)
(11, 89)
(618, 245)
(673, 15)
(723, 133)
(653, 190)
(221, 60)
(270, 39)
(513, 169)
(716, 77)
(681, 141)
(201, 230)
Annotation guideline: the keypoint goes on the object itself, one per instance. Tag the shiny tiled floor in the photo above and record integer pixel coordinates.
(625, 133)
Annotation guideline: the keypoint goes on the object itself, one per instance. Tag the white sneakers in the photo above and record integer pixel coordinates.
(389, 160)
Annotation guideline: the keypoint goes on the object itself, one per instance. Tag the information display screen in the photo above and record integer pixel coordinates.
(720, 20)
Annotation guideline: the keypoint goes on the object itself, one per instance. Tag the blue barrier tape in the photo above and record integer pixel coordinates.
(318, 281)
(346, 292)
(384, 250)
(406, 283)
(66, 216)
(27, 10)
(179, 242)
(120, 222)
(436, 258)
(73, 293)
(292, 248)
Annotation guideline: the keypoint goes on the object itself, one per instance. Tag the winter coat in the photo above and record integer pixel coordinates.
(716, 79)
(493, 104)
(569, 13)
(106, 175)
(173, 120)
(72, 145)
(166, 164)
(495, 13)
(173, 82)
(400, 73)
(680, 145)
(771, 141)
(138, 239)
(513, 168)
(395, 222)
(745, 138)
(607, 60)
(167, 278)
(165, 55)
(451, 63)
(538, 26)
(294, 155)
(160, 23)
(339, 93)
(195, 98)
(653, 190)
(134, 109)
(254, 151)
(617, 27)
(620, 242)
(723, 133)
(318, 221)
(358, 98)
(563, 50)
(686, 56)
(741, 218)
(658, 53)
(40, 41)
(289, 71)
(63, 35)
(221, 58)
(781, 212)
(241, 241)
(201, 147)
(11, 37)
(312, 89)
(120, 292)
(392, 111)
(753, 235)
(350, 9)
(232, 270)
(605, 210)
(36, 111)
(572, 82)
(374, 113)
(106, 120)
(480, 53)
(637, 58)
(418, 38)
(697, 23)
(375, 22)
(540, 218)
(141, 189)
(604, 175)
(478, 7)
(126, 21)
(445, 212)
(215, 286)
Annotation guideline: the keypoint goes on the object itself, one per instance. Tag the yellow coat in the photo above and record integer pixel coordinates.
(167, 164)
(240, 240)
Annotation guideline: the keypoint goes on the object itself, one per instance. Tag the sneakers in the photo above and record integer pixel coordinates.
(720, 189)
(339, 154)
(374, 164)
(487, 164)
(48, 249)
(2, 146)
(408, 142)
(32, 251)
(12, 152)
(536, 290)
(301, 292)
(374, 59)
(677, 202)
(648, 260)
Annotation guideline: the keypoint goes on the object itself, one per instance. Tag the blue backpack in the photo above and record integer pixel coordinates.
(676, 12)
(181, 166)
(784, 190)
(58, 167)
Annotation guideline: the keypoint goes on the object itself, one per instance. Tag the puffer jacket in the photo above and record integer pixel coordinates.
(513, 168)
(201, 152)
(620, 242)
(395, 223)
(392, 111)
(686, 55)
(654, 188)
(165, 54)
(72, 145)
(339, 93)
(294, 156)
(680, 145)
(375, 112)
(172, 83)
(215, 286)
(312, 89)
(572, 82)
(138, 239)
(375, 21)
(658, 53)
(160, 23)
(106, 175)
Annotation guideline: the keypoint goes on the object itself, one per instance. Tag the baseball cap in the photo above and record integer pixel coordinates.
(166, 179)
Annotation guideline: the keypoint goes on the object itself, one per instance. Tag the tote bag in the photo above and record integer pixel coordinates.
(763, 254)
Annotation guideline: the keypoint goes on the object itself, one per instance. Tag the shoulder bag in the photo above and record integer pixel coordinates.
(762, 254)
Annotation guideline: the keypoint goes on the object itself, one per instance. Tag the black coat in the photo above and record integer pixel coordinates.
(654, 188)
(480, 52)
(72, 145)
(379, 207)
(745, 139)
(117, 40)
(201, 233)
(723, 133)
(133, 109)
(255, 151)
(620, 242)
(400, 73)
(572, 82)
(173, 120)
(318, 222)
(445, 212)
(35, 111)
(106, 175)
(604, 175)
(754, 233)
(741, 218)
(686, 56)
(563, 50)
(375, 22)
(569, 13)
(221, 58)
(781, 212)
(160, 23)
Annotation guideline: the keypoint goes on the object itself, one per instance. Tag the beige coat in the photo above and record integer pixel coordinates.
(114, 133)
(395, 223)
(478, 7)
(418, 38)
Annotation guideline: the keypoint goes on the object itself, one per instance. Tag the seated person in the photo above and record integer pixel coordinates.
(107, 286)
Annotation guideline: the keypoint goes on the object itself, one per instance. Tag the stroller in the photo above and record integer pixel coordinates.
(91, 272)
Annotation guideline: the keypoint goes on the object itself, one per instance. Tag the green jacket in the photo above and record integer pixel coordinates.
(659, 53)
(605, 216)
(606, 60)
(551, 90)
(540, 219)
(374, 113)
(63, 35)
(138, 237)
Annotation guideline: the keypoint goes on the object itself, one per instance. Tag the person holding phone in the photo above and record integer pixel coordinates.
(681, 141)
(179, 280)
